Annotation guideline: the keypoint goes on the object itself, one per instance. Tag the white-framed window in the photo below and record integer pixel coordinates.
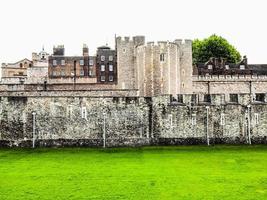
(256, 118)
(209, 66)
(222, 121)
(81, 72)
(62, 73)
(102, 58)
(170, 120)
(90, 72)
(62, 62)
(102, 78)
(91, 62)
(162, 57)
(82, 62)
(102, 68)
(69, 111)
(54, 73)
(110, 78)
(242, 67)
(194, 119)
(84, 112)
(110, 58)
(54, 62)
(226, 66)
(111, 68)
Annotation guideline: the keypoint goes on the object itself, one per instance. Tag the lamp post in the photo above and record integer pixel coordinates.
(33, 129)
(207, 124)
(249, 136)
(104, 129)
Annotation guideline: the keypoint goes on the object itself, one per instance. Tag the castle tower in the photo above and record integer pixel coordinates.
(158, 68)
(186, 66)
(126, 50)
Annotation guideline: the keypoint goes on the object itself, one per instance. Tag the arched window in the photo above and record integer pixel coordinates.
(20, 65)
(162, 57)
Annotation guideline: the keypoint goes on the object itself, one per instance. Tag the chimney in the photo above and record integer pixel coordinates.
(59, 50)
(222, 62)
(85, 50)
(216, 62)
(245, 60)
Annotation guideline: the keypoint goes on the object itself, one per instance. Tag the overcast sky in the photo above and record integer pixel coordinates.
(27, 25)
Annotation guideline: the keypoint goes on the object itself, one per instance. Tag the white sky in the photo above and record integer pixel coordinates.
(26, 25)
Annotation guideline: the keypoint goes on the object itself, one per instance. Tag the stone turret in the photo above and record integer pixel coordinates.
(127, 72)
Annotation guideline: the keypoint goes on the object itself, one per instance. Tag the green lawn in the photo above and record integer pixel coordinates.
(187, 172)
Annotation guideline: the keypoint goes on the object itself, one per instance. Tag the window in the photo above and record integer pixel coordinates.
(62, 62)
(124, 50)
(180, 98)
(194, 99)
(102, 68)
(233, 98)
(260, 97)
(256, 118)
(84, 113)
(102, 58)
(170, 119)
(62, 73)
(209, 66)
(54, 73)
(226, 66)
(162, 57)
(69, 111)
(110, 58)
(194, 119)
(20, 73)
(90, 71)
(110, 78)
(102, 78)
(30, 65)
(111, 68)
(20, 65)
(222, 121)
(81, 62)
(242, 67)
(91, 62)
(54, 62)
(207, 98)
(81, 72)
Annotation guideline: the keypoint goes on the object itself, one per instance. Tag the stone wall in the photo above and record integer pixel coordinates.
(229, 84)
(81, 120)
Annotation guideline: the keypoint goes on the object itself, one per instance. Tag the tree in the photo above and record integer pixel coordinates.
(214, 46)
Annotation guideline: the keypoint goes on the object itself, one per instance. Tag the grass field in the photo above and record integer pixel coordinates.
(188, 172)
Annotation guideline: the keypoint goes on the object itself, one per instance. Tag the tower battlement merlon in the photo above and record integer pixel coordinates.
(151, 43)
(188, 42)
(136, 40)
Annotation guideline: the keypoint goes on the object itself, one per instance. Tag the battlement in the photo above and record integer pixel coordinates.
(161, 44)
(137, 40)
(231, 78)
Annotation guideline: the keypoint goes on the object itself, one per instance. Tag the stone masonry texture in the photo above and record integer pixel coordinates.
(75, 119)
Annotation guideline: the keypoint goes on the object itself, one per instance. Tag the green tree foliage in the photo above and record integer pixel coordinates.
(214, 46)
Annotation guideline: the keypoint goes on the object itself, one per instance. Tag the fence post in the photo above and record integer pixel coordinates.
(207, 124)
(33, 129)
(104, 130)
